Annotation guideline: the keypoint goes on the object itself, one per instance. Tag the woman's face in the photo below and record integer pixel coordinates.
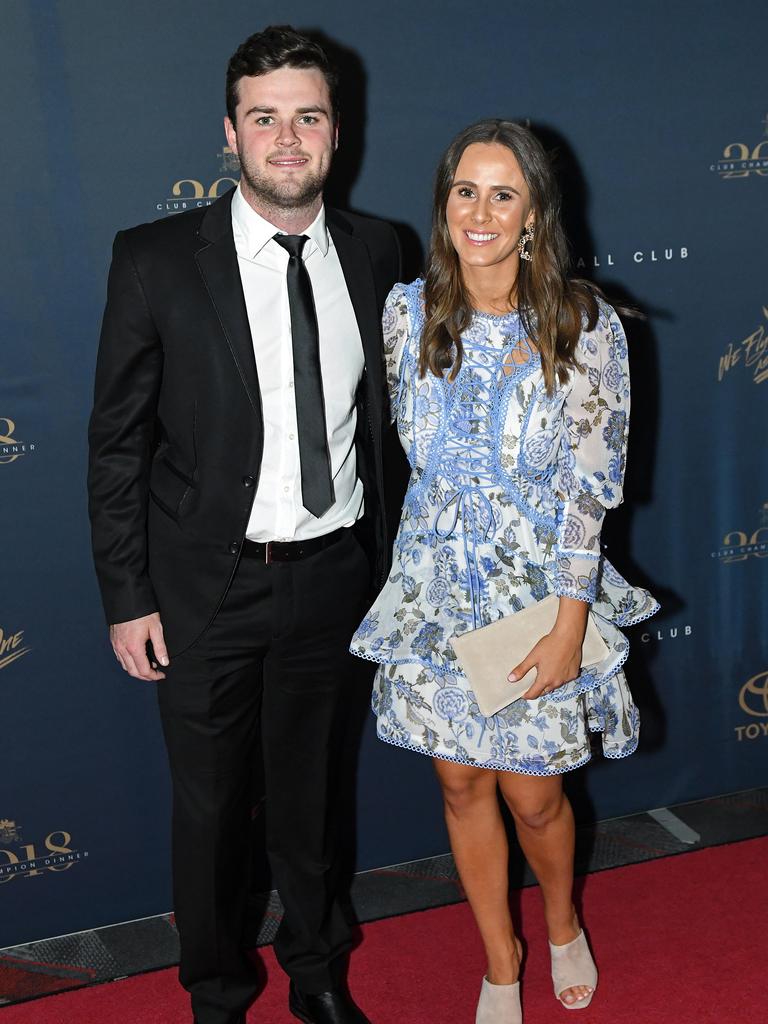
(489, 207)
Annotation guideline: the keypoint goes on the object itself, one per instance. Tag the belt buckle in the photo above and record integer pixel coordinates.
(268, 552)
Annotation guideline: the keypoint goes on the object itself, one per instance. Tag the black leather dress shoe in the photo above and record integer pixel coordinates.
(333, 1007)
(235, 1020)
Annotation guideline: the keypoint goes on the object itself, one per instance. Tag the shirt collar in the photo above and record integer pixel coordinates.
(252, 232)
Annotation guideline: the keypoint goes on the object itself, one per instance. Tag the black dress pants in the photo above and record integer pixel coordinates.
(264, 687)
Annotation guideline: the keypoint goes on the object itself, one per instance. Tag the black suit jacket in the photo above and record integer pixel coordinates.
(176, 432)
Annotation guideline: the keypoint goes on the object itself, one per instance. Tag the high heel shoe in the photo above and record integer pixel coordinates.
(572, 965)
(499, 1004)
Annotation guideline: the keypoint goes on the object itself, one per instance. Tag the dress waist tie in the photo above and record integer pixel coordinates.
(463, 501)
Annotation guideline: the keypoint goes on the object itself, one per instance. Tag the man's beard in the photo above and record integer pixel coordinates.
(288, 195)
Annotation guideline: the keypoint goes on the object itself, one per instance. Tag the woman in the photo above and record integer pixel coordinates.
(510, 388)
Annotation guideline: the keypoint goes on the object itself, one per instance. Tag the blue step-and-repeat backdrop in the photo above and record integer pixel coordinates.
(658, 114)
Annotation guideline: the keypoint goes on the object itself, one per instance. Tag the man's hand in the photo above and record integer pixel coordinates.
(129, 642)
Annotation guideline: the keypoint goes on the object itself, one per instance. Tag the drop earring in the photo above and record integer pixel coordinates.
(525, 239)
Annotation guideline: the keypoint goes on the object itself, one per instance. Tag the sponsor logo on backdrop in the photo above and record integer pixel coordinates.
(12, 447)
(9, 831)
(681, 632)
(12, 647)
(739, 545)
(627, 255)
(753, 701)
(742, 159)
(32, 860)
(192, 193)
(751, 353)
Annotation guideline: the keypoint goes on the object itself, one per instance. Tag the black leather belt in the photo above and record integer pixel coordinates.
(290, 550)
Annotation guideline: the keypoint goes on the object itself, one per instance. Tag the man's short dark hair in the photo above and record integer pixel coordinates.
(278, 46)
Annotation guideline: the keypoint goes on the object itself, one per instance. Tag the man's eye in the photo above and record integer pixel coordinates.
(264, 120)
(308, 119)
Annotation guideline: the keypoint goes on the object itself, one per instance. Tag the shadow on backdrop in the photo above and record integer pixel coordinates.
(643, 437)
(349, 157)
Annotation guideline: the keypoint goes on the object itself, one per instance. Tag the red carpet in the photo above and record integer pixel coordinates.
(678, 941)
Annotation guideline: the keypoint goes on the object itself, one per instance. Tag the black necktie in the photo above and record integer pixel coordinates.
(316, 481)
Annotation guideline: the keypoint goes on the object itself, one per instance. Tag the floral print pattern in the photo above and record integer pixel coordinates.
(508, 491)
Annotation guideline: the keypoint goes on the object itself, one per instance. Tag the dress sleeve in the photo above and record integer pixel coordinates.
(592, 453)
(396, 327)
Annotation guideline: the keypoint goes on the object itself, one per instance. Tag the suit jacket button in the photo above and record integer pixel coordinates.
(248, 481)
(234, 547)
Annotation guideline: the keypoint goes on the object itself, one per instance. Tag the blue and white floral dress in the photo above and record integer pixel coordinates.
(505, 503)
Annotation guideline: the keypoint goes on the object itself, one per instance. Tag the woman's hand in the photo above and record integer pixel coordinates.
(557, 656)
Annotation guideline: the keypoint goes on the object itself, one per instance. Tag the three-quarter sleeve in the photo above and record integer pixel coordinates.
(592, 453)
(395, 328)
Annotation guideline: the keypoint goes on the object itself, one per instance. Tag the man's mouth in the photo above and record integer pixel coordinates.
(288, 161)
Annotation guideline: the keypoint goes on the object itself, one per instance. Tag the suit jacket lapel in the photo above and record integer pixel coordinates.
(217, 262)
(356, 264)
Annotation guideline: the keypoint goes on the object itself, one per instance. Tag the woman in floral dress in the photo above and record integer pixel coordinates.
(510, 387)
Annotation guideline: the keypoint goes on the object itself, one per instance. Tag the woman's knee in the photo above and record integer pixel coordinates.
(535, 810)
(463, 788)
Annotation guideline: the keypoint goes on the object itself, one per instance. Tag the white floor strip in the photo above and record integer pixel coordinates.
(675, 826)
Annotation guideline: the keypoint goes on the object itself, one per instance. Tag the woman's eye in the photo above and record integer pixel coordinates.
(504, 196)
(465, 193)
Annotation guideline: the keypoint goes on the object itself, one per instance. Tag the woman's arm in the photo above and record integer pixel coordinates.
(557, 656)
(590, 477)
(395, 328)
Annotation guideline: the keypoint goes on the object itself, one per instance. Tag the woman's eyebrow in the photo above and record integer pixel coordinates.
(498, 188)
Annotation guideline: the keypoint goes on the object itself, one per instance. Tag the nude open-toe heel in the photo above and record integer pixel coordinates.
(572, 965)
(499, 1004)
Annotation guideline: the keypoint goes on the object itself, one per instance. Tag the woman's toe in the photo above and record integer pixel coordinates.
(575, 994)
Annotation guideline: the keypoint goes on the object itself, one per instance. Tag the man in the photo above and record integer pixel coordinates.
(235, 463)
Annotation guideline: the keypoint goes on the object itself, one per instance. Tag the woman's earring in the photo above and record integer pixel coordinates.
(525, 238)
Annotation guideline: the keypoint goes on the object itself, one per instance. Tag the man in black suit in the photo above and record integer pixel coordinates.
(237, 515)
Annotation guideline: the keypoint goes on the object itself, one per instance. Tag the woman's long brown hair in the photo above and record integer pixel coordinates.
(551, 305)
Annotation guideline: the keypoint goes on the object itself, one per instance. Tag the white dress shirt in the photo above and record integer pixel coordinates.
(278, 513)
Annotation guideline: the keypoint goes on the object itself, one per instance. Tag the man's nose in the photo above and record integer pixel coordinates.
(286, 134)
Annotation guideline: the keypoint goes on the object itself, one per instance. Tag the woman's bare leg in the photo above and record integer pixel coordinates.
(545, 829)
(481, 852)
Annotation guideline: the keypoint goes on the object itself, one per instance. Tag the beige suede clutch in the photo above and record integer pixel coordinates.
(487, 655)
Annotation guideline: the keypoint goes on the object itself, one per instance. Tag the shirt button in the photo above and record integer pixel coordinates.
(248, 481)
(291, 437)
(234, 547)
(286, 489)
(290, 383)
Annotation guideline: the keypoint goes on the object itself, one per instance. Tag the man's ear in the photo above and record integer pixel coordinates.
(336, 135)
(231, 134)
